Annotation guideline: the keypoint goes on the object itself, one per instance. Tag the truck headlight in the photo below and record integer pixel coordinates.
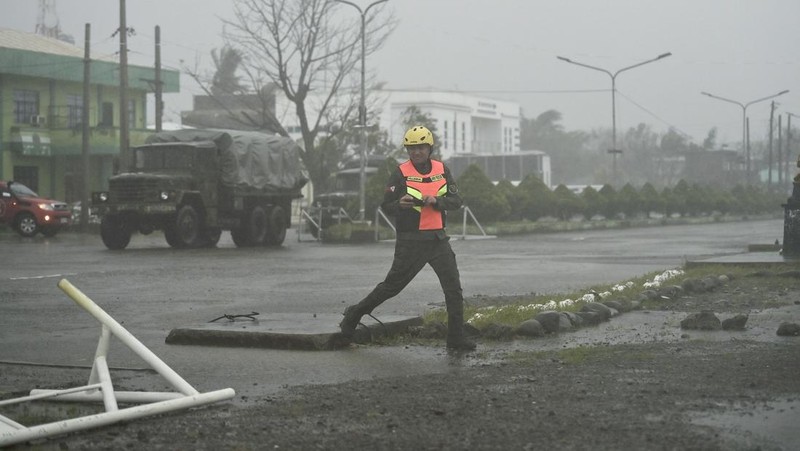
(164, 195)
(100, 197)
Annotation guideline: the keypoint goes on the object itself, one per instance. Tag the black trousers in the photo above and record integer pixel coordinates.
(410, 256)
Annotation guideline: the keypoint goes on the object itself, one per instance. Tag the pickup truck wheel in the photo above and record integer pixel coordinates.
(114, 233)
(26, 226)
(257, 226)
(187, 227)
(276, 231)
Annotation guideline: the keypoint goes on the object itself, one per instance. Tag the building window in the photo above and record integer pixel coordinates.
(131, 114)
(74, 110)
(445, 134)
(463, 136)
(26, 105)
(107, 119)
(28, 176)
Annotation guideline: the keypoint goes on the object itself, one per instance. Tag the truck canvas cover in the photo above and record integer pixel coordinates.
(248, 159)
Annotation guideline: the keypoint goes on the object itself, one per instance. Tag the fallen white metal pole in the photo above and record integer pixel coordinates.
(107, 418)
(126, 337)
(133, 397)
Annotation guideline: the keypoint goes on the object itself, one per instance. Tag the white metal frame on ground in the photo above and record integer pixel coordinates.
(380, 215)
(100, 387)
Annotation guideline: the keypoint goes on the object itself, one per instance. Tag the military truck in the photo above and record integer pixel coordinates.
(193, 184)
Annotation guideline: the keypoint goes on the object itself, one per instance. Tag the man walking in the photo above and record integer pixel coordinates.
(418, 194)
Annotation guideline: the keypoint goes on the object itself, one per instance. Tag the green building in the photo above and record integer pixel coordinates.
(41, 111)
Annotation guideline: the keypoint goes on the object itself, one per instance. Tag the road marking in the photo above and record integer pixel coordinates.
(42, 277)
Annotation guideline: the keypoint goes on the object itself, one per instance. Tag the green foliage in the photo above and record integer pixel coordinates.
(537, 199)
(593, 202)
(650, 200)
(629, 201)
(481, 196)
(568, 204)
(610, 204)
(672, 203)
(514, 198)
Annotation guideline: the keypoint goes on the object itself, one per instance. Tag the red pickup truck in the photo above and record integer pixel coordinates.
(28, 213)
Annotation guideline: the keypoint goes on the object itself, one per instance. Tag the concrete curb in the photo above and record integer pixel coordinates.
(292, 331)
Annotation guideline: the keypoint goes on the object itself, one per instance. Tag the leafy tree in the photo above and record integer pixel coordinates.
(480, 195)
(567, 203)
(514, 198)
(594, 203)
(629, 201)
(570, 161)
(682, 192)
(538, 200)
(672, 203)
(711, 139)
(610, 205)
(226, 63)
(650, 199)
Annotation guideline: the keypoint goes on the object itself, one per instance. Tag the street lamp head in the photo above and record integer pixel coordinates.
(564, 59)
(664, 55)
(783, 92)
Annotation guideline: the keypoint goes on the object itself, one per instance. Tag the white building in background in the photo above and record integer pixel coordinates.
(465, 124)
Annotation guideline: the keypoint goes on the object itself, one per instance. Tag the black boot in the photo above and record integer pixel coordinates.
(456, 339)
(352, 316)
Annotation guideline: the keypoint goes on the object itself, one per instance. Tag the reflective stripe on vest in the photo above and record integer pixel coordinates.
(419, 186)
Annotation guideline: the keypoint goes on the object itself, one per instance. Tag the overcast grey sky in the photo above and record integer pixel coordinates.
(738, 49)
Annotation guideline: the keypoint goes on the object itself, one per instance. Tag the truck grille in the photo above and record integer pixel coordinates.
(133, 190)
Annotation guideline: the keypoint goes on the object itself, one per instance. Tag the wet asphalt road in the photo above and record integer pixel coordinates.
(151, 289)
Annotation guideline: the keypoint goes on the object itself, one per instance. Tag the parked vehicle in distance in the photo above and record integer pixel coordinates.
(28, 213)
(193, 184)
(76, 214)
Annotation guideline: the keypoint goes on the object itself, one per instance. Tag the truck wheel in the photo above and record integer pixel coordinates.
(257, 226)
(239, 237)
(276, 231)
(25, 225)
(114, 233)
(211, 236)
(187, 227)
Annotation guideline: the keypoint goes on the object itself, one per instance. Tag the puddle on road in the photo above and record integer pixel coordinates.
(771, 425)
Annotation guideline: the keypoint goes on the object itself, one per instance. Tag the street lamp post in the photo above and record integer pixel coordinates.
(614, 150)
(745, 146)
(362, 108)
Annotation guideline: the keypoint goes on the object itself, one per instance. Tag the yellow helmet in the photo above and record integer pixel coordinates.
(418, 135)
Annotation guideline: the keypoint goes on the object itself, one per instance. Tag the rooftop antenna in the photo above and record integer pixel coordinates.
(47, 21)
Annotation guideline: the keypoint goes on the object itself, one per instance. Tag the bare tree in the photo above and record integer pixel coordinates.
(312, 54)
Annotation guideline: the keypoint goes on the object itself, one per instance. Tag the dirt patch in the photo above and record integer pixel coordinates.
(662, 389)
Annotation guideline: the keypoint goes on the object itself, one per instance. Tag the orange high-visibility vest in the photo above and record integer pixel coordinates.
(431, 184)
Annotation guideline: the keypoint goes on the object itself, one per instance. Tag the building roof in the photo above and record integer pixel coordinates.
(33, 55)
(31, 42)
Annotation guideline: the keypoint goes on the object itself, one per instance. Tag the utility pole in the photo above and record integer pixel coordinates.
(159, 87)
(780, 151)
(124, 135)
(788, 145)
(87, 73)
(769, 165)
